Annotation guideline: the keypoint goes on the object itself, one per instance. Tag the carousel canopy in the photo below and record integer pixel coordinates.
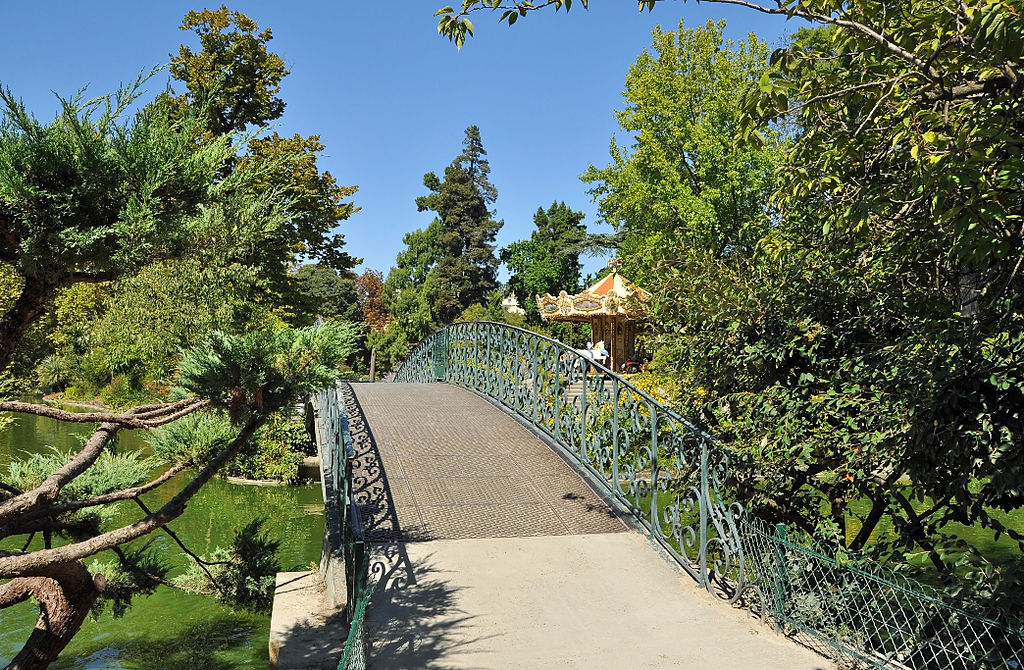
(613, 295)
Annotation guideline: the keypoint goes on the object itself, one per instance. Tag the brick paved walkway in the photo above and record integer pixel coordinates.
(436, 461)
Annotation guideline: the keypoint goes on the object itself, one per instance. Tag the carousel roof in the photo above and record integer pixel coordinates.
(613, 295)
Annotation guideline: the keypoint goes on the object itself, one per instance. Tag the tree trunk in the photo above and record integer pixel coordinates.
(64, 601)
(373, 364)
(27, 308)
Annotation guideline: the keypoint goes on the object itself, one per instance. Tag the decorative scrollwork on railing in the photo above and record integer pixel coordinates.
(655, 465)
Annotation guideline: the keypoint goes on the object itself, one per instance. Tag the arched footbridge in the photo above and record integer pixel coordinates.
(508, 503)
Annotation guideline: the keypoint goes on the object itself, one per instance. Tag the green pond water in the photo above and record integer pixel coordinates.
(171, 629)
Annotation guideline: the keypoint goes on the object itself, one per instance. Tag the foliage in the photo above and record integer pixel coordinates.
(192, 440)
(274, 453)
(683, 184)
(466, 267)
(90, 197)
(233, 75)
(199, 214)
(323, 292)
(10, 287)
(409, 282)
(110, 473)
(316, 201)
(851, 331)
(548, 262)
(265, 370)
(242, 576)
(370, 294)
(492, 310)
(135, 572)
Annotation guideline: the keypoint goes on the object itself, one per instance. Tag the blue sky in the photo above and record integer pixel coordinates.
(388, 96)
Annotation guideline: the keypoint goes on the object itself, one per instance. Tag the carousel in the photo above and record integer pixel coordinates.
(613, 307)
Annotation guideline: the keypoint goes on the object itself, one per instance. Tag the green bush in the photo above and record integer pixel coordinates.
(53, 373)
(274, 453)
(81, 390)
(123, 391)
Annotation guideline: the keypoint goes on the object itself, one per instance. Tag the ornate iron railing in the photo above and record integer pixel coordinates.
(671, 477)
(344, 542)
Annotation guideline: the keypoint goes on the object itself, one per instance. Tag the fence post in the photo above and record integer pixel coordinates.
(440, 356)
(705, 503)
(583, 414)
(779, 575)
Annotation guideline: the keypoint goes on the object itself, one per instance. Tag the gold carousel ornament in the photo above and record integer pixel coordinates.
(612, 306)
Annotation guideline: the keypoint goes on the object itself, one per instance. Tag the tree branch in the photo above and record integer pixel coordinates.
(128, 565)
(36, 563)
(15, 527)
(152, 418)
(188, 552)
(47, 492)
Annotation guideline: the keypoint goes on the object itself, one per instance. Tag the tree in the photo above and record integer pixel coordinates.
(90, 198)
(683, 183)
(233, 77)
(323, 292)
(316, 200)
(144, 210)
(370, 293)
(466, 269)
(549, 261)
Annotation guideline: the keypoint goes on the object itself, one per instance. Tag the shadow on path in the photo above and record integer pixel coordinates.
(413, 620)
(371, 490)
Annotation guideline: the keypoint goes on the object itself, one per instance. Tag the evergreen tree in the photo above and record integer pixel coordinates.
(549, 261)
(466, 269)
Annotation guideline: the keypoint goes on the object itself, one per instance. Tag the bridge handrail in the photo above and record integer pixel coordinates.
(672, 479)
(344, 541)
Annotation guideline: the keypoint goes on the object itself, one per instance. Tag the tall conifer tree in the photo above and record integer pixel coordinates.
(466, 270)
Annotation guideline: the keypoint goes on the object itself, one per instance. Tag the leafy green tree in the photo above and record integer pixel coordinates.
(466, 268)
(683, 182)
(233, 77)
(79, 196)
(409, 283)
(549, 261)
(323, 292)
(316, 200)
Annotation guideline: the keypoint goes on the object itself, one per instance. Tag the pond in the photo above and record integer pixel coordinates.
(172, 629)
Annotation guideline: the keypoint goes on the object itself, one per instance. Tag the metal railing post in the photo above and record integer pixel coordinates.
(779, 576)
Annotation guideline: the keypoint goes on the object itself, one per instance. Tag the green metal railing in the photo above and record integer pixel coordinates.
(343, 536)
(671, 478)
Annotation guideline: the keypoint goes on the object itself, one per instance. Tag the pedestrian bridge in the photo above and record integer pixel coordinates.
(493, 552)
(534, 510)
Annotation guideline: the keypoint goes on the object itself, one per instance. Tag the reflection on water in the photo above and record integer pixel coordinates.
(171, 629)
